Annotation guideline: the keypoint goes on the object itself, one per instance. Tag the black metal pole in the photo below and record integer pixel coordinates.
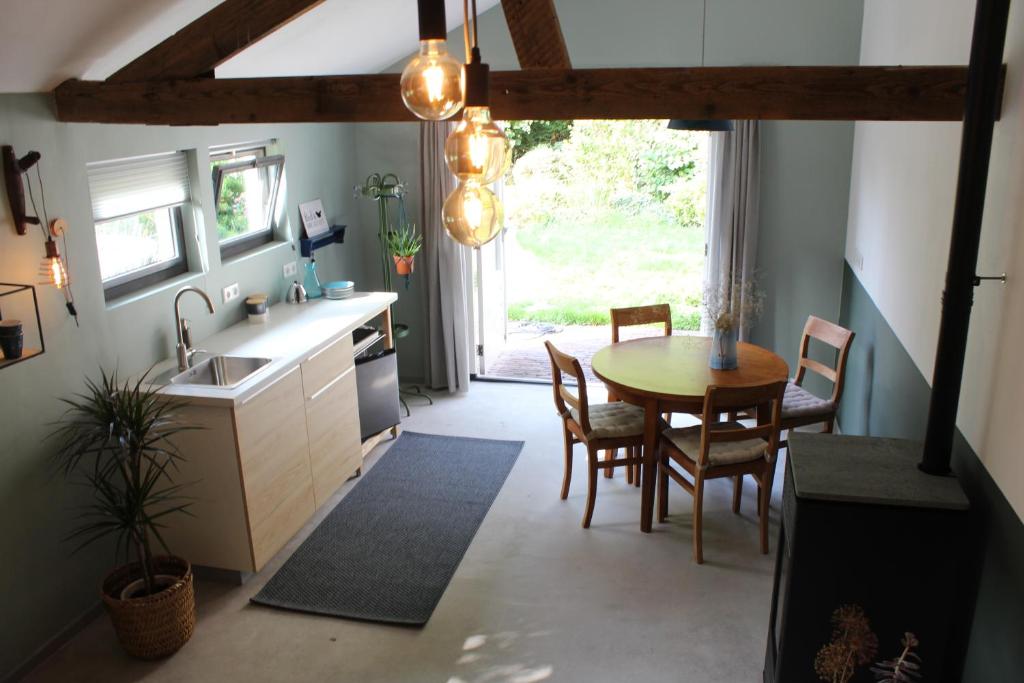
(980, 113)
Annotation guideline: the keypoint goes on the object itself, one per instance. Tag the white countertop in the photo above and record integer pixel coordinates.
(293, 333)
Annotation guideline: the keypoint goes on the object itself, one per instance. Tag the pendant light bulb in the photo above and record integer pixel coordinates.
(52, 269)
(472, 215)
(432, 82)
(477, 150)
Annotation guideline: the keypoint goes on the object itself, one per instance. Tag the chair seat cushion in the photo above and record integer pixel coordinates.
(800, 403)
(613, 420)
(687, 440)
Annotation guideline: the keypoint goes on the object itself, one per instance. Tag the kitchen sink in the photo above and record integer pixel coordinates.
(221, 371)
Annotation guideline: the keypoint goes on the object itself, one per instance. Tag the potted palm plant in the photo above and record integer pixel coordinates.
(404, 243)
(118, 438)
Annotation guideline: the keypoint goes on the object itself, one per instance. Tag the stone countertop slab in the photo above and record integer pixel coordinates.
(868, 470)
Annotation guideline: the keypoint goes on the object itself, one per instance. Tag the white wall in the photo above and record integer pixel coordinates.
(42, 587)
(901, 208)
(806, 165)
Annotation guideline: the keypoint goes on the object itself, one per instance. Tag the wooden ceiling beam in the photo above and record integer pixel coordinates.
(536, 34)
(212, 39)
(913, 93)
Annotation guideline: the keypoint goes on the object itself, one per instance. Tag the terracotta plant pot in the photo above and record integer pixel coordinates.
(157, 625)
(403, 264)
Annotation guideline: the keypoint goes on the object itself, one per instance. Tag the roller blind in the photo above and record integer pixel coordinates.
(128, 186)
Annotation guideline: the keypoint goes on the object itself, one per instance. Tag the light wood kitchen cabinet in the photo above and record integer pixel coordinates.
(332, 417)
(273, 453)
(332, 420)
(259, 468)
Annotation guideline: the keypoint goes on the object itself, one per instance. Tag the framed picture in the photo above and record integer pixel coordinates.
(314, 219)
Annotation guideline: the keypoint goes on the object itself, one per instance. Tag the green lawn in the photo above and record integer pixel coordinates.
(572, 273)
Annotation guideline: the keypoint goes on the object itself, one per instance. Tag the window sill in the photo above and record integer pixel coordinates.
(256, 252)
(135, 297)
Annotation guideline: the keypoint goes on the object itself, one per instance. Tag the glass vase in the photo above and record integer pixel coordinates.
(723, 350)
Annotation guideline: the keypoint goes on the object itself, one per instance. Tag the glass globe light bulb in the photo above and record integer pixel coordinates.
(432, 82)
(472, 215)
(52, 270)
(477, 150)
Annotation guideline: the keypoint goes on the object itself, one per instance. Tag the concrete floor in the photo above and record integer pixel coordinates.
(536, 598)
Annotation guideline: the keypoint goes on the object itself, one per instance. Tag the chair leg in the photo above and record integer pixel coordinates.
(638, 453)
(662, 488)
(829, 425)
(698, 515)
(629, 468)
(591, 486)
(737, 493)
(567, 476)
(764, 497)
(608, 455)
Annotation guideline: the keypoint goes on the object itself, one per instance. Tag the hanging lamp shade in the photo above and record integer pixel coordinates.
(714, 125)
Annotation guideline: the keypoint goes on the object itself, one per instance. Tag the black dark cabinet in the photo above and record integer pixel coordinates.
(861, 525)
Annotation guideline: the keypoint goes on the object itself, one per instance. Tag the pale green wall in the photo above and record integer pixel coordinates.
(805, 167)
(41, 587)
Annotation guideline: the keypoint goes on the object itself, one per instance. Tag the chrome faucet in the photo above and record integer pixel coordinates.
(184, 328)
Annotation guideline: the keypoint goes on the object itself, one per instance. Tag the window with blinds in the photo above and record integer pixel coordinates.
(137, 210)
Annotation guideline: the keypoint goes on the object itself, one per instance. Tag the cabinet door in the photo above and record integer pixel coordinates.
(274, 453)
(335, 451)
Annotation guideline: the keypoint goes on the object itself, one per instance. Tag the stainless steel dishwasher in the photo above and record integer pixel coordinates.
(376, 384)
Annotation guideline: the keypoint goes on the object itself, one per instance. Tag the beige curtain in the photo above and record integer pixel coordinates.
(733, 204)
(447, 268)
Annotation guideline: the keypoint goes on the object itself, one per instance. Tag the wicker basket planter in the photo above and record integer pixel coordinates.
(152, 626)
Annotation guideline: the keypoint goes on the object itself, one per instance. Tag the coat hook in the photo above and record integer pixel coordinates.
(978, 278)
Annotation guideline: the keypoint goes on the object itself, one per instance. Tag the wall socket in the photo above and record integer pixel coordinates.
(230, 293)
(290, 269)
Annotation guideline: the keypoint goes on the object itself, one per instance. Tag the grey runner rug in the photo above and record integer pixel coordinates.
(390, 547)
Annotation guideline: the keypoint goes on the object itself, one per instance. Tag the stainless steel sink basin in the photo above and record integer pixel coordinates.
(221, 371)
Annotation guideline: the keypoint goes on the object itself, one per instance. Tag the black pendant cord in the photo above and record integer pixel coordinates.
(981, 109)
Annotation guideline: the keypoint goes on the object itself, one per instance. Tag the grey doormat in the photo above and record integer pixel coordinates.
(390, 547)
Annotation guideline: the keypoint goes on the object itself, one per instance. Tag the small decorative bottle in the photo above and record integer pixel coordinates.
(312, 282)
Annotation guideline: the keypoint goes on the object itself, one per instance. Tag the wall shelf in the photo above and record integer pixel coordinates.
(20, 302)
(335, 236)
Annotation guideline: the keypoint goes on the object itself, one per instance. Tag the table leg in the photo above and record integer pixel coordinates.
(650, 470)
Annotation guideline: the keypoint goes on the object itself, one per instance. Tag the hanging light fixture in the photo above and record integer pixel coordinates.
(432, 82)
(477, 149)
(713, 125)
(472, 214)
(52, 269)
(477, 153)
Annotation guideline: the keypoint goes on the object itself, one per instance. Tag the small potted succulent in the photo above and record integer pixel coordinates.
(729, 308)
(117, 439)
(404, 243)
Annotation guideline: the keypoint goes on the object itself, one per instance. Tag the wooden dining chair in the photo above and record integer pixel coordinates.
(712, 450)
(800, 407)
(629, 317)
(608, 426)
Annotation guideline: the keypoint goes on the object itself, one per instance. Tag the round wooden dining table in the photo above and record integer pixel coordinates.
(671, 375)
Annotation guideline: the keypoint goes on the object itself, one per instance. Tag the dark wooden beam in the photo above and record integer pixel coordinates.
(536, 34)
(213, 38)
(918, 93)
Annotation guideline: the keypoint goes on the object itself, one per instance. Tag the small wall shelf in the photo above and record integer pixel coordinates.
(16, 304)
(335, 236)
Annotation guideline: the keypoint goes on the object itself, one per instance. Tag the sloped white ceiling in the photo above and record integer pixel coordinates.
(43, 42)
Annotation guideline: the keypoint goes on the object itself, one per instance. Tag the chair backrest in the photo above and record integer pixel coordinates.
(718, 400)
(563, 362)
(641, 315)
(835, 336)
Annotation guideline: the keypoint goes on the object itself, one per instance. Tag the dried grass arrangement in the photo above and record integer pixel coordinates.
(853, 644)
